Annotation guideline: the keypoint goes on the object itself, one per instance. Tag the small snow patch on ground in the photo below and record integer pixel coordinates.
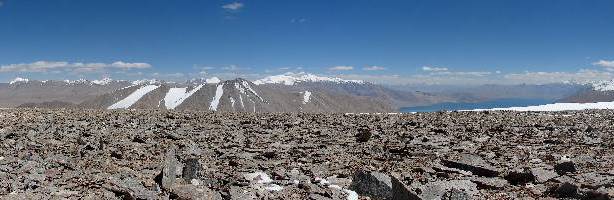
(134, 97)
(259, 177)
(559, 107)
(351, 194)
(274, 187)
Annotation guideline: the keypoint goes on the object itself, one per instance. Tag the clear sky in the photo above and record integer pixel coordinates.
(389, 41)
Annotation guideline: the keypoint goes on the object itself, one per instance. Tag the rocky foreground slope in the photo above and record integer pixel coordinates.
(148, 154)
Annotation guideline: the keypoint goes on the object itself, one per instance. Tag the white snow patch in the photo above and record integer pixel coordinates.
(134, 97)
(292, 78)
(175, 96)
(351, 194)
(213, 80)
(274, 187)
(241, 100)
(253, 102)
(241, 89)
(306, 97)
(216, 99)
(246, 85)
(195, 182)
(232, 102)
(559, 107)
(18, 80)
(259, 177)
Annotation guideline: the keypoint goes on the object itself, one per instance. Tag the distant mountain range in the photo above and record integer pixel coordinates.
(291, 92)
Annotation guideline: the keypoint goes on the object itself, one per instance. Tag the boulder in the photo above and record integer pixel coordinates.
(191, 192)
(191, 169)
(494, 183)
(520, 177)
(566, 190)
(439, 189)
(565, 167)
(363, 135)
(472, 163)
(373, 184)
(542, 175)
(169, 170)
(400, 191)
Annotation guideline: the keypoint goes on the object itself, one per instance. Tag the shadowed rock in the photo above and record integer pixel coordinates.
(373, 184)
(400, 191)
(472, 163)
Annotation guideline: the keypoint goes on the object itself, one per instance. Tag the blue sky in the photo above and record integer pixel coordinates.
(396, 42)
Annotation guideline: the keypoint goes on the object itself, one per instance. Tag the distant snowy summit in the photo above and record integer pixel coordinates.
(605, 85)
(294, 78)
(108, 81)
(19, 80)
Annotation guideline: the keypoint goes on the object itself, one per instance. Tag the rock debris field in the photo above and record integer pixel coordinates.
(149, 154)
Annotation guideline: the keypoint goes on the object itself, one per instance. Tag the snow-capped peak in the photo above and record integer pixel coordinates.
(605, 85)
(80, 81)
(213, 80)
(104, 81)
(146, 81)
(292, 78)
(18, 80)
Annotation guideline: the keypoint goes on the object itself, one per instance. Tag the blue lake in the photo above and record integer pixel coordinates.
(500, 103)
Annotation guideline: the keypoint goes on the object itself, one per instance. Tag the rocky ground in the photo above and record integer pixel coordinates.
(146, 154)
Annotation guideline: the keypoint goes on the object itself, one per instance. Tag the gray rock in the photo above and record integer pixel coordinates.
(520, 177)
(242, 193)
(494, 183)
(191, 192)
(543, 175)
(129, 187)
(373, 184)
(456, 194)
(472, 163)
(437, 189)
(565, 167)
(169, 170)
(566, 190)
(191, 169)
(400, 191)
(363, 135)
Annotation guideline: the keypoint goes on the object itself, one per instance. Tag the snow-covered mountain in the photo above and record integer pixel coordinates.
(291, 92)
(593, 91)
(238, 95)
(294, 78)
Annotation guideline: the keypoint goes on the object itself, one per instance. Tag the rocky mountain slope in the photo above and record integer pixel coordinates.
(154, 154)
(33, 92)
(553, 92)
